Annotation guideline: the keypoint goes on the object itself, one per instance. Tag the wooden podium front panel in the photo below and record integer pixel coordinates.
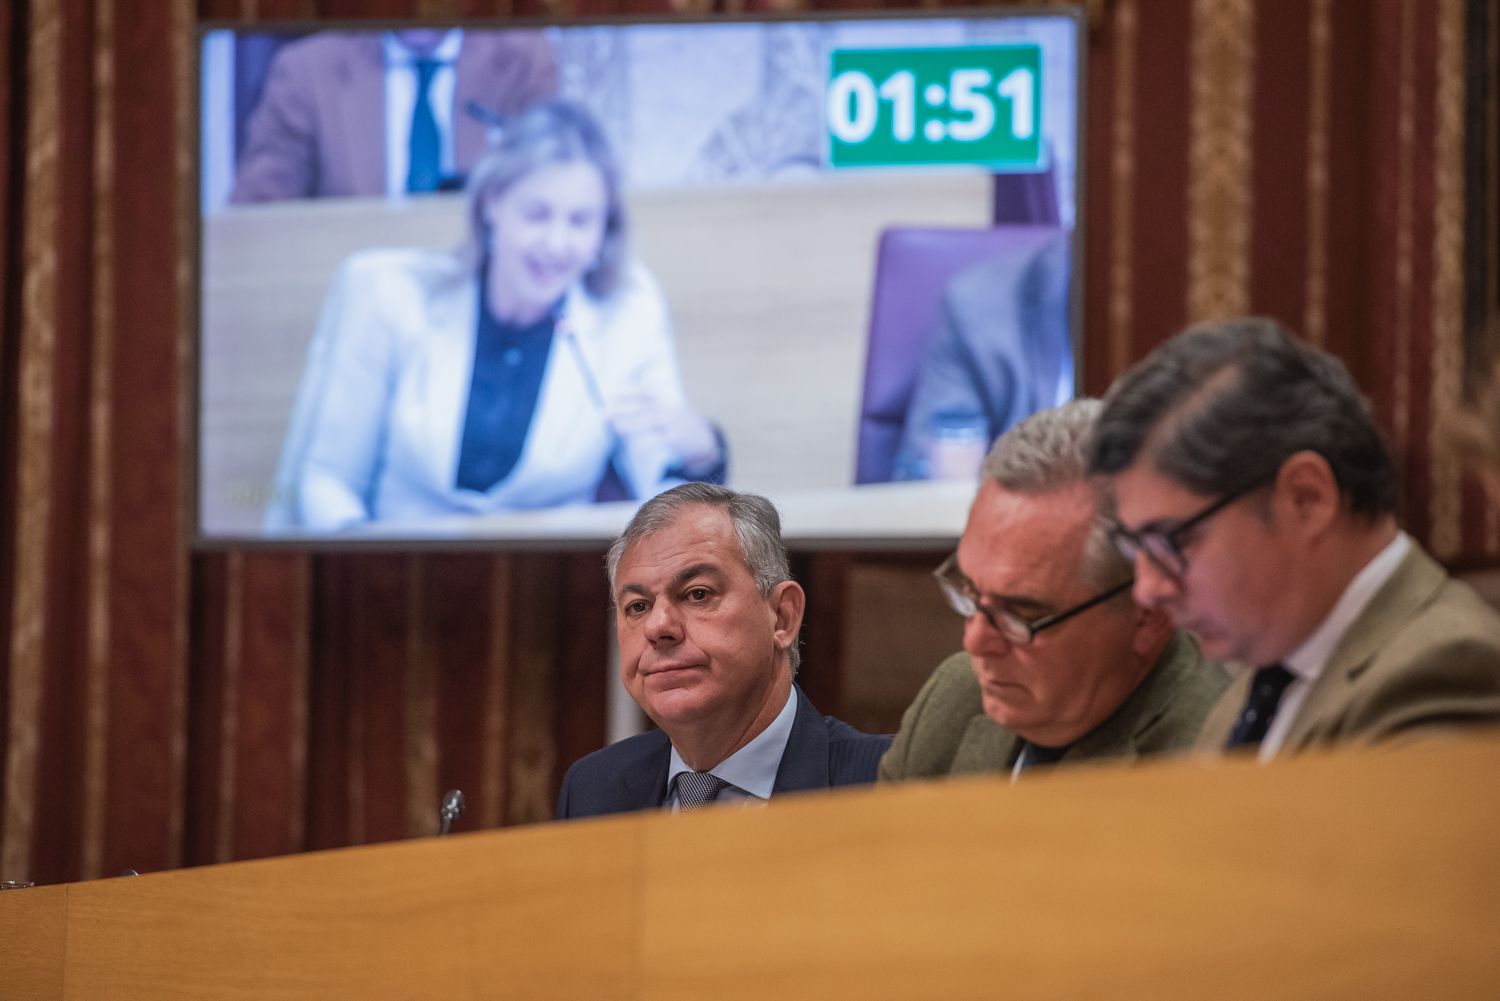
(1366, 876)
(33, 941)
(538, 913)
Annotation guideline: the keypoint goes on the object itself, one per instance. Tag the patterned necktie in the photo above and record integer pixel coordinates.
(695, 789)
(424, 168)
(1260, 708)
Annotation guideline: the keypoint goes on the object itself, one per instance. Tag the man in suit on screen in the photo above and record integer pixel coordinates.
(707, 617)
(1257, 501)
(366, 114)
(1059, 665)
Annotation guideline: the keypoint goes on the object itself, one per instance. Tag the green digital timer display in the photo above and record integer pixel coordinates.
(959, 105)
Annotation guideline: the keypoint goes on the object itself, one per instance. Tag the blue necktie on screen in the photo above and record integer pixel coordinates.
(425, 163)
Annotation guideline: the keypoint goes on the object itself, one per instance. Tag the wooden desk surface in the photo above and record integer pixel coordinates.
(1366, 875)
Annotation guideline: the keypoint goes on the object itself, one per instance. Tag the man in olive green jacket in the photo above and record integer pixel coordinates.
(1060, 664)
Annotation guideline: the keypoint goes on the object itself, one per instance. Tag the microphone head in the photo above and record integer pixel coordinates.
(453, 803)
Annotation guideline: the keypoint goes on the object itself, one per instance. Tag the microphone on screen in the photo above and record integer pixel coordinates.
(453, 805)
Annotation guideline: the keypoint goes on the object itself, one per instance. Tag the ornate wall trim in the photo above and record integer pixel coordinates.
(1222, 60)
(101, 451)
(1122, 189)
(1448, 277)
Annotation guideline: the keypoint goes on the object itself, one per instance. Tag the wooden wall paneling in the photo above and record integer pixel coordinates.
(537, 585)
(897, 630)
(148, 558)
(335, 783)
(825, 577)
(457, 603)
(1160, 266)
(1389, 287)
(1481, 160)
(209, 655)
(419, 724)
(495, 695)
(1353, 226)
(1285, 148)
(378, 658)
(13, 36)
(583, 669)
(1414, 353)
(1481, 246)
(63, 782)
(270, 778)
(44, 780)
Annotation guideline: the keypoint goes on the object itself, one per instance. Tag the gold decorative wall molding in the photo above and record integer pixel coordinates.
(1221, 76)
(1447, 277)
(1406, 105)
(1320, 43)
(1122, 188)
(101, 404)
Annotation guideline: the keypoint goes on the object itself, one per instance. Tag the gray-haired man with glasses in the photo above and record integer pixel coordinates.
(1059, 663)
(1257, 503)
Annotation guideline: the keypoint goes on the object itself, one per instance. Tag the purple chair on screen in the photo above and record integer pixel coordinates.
(913, 269)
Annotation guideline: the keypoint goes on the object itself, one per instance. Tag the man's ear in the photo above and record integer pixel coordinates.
(787, 601)
(1308, 492)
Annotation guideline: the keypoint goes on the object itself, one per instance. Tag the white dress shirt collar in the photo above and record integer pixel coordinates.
(1308, 661)
(750, 771)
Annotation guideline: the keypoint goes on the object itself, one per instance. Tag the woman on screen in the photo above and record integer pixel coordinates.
(523, 371)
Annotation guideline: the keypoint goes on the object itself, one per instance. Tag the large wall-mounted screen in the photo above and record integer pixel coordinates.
(504, 283)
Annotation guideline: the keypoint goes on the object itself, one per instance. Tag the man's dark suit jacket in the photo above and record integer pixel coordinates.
(821, 752)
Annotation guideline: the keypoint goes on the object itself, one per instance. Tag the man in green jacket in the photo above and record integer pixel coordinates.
(1060, 665)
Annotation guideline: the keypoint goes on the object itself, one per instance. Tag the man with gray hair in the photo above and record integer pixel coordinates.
(707, 615)
(1059, 664)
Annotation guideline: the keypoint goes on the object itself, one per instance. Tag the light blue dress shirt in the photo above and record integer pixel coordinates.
(750, 771)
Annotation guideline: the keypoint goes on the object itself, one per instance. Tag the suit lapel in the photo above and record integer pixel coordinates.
(643, 784)
(1119, 736)
(986, 747)
(804, 763)
(1417, 579)
(362, 112)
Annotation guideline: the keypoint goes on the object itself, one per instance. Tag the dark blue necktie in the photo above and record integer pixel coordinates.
(1266, 690)
(1040, 756)
(425, 163)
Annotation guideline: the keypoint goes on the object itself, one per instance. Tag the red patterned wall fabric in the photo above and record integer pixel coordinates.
(162, 707)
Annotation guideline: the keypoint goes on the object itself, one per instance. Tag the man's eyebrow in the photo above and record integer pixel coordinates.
(697, 570)
(678, 579)
(1012, 602)
(633, 589)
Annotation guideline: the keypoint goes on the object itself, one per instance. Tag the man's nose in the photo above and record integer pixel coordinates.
(982, 639)
(1154, 587)
(663, 623)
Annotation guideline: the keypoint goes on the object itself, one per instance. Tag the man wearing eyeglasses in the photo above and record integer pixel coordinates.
(1257, 501)
(1059, 664)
